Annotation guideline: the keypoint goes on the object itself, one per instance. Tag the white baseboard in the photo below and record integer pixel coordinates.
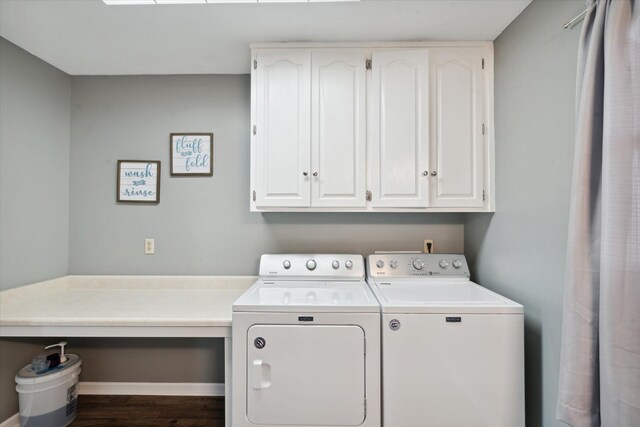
(13, 421)
(151, 389)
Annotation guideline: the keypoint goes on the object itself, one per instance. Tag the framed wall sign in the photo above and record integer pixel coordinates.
(138, 181)
(191, 154)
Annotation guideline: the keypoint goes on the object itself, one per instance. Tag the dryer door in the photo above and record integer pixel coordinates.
(306, 375)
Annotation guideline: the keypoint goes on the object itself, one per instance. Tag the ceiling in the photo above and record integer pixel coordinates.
(87, 37)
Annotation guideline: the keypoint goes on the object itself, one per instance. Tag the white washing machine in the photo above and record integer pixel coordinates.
(306, 345)
(452, 351)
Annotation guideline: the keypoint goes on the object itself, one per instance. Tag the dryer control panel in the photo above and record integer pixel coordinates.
(398, 265)
(312, 267)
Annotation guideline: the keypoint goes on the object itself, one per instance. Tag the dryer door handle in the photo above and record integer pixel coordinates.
(261, 375)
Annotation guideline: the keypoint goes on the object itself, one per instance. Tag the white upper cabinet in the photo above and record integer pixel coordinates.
(399, 137)
(372, 127)
(338, 129)
(456, 121)
(282, 129)
(310, 135)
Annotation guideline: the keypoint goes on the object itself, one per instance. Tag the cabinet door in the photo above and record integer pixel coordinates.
(399, 134)
(283, 137)
(456, 127)
(338, 120)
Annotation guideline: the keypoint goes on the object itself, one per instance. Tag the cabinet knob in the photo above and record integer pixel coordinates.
(305, 173)
(434, 173)
(425, 173)
(315, 174)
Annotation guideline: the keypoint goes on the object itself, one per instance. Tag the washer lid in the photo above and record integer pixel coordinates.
(440, 297)
(317, 296)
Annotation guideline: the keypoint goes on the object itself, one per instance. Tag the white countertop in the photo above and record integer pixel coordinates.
(122, 306)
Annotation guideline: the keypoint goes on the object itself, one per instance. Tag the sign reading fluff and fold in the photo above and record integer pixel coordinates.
(138, 181)
(191, 154)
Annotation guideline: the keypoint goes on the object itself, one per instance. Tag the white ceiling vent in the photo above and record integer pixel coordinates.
(147, 2)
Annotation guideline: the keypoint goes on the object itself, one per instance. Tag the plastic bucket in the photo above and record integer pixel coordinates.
(49, 399)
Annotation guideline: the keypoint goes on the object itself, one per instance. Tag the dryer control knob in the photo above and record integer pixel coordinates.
(286, 264)
(444, 263)
(348, 264)
(380, 264)
(457, 263)
(393, 263)
(418, 264)
(311, 265)
(335, 265)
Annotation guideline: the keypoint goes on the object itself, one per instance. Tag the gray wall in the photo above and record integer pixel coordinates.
(202, 225)
(34, 187)
(520, 250)
(34, 168)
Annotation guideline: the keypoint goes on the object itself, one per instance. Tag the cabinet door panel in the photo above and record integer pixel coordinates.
(283, 129)
(338, 117)
(456, 126)
(399, 130)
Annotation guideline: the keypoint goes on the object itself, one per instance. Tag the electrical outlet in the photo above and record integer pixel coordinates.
(149, 246)
(428, 246)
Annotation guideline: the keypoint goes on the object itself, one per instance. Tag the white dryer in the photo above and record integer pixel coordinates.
(306, 345)
(452, 351)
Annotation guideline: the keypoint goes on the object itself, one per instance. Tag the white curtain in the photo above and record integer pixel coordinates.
(599, 382)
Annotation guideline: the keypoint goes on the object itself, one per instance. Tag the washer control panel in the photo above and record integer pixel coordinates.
(312, 266)
(417, 265)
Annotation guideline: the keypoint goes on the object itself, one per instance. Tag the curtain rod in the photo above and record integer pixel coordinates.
(575, 21)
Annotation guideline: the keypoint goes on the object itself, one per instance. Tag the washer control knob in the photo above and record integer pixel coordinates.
(380, 263)
(335, 265)
(393, 263)
(311, 265)
(444, 263)
(457, 263)
(348, 264)
(286, 264)
(418, 264)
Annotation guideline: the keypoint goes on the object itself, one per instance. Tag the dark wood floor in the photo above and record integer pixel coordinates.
(148, 411)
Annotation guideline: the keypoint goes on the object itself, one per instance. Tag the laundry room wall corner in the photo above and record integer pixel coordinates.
(34, 218)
